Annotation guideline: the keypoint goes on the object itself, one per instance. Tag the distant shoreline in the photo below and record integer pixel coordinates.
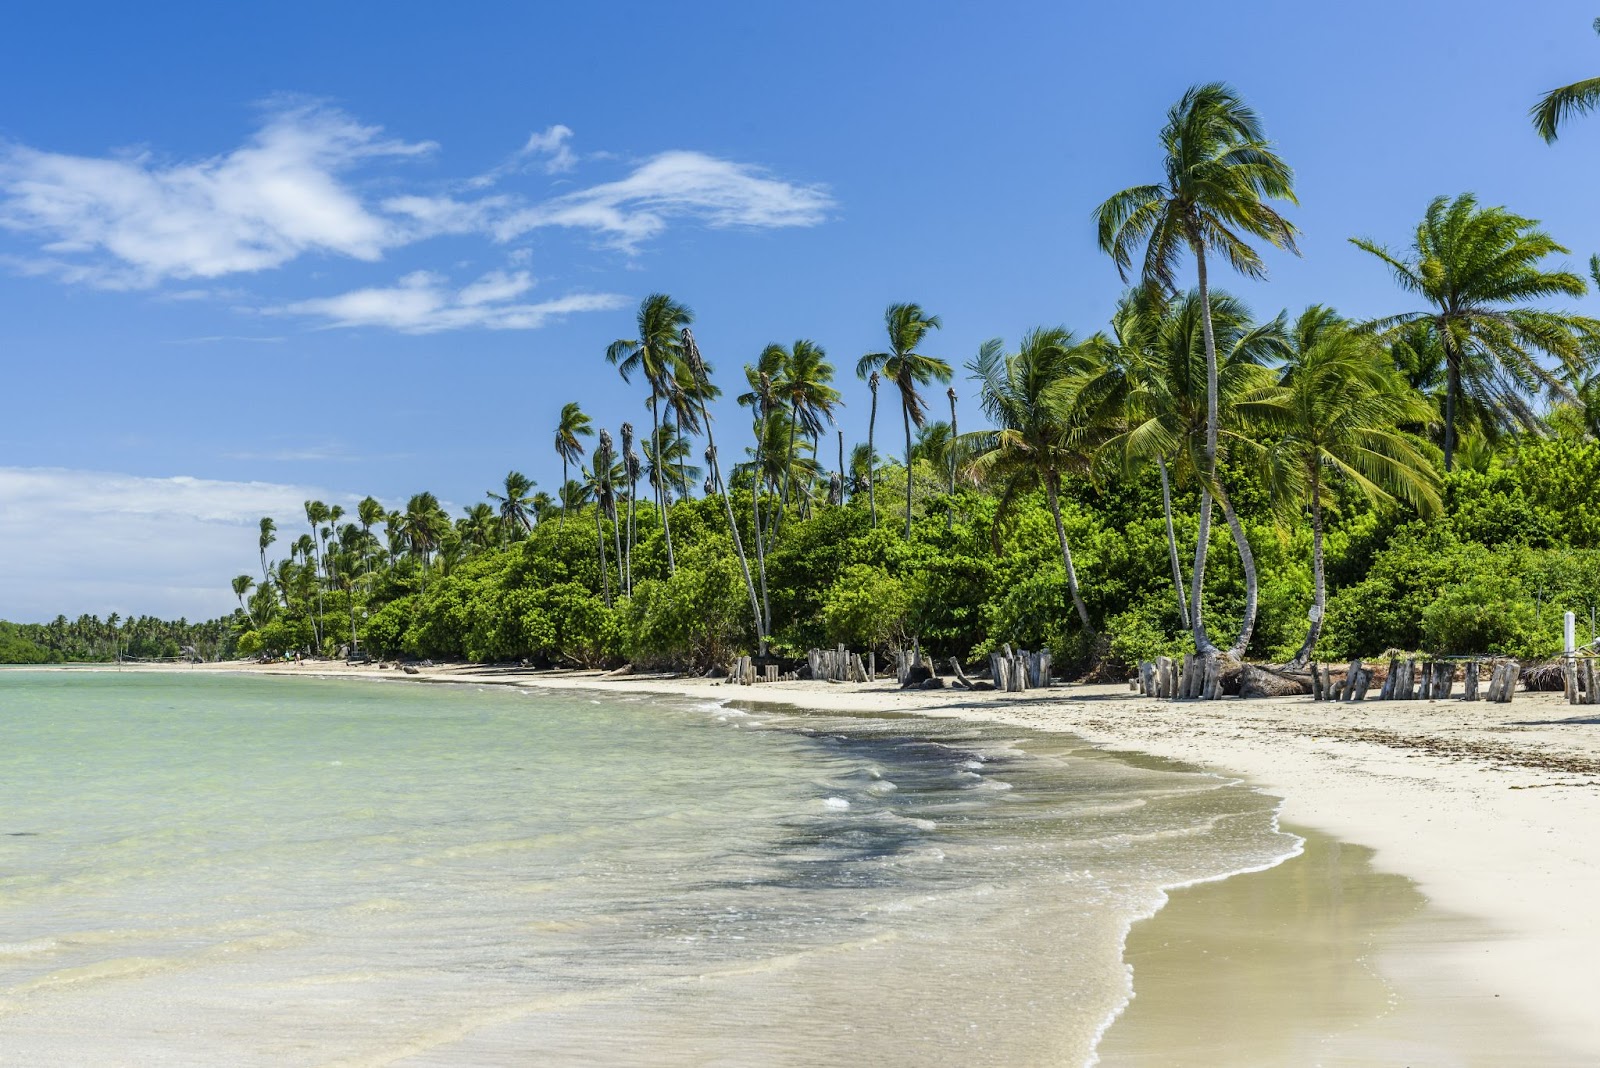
(1492, 809)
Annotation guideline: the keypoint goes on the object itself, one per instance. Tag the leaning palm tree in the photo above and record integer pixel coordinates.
(1342, 402)
(268, 535)
(514, 505)
(700, 379)
(1220, 172)
(1473, 266)
(908, 326)
(654, 354)
(572, 425)
(1579, 98)
(1036, 438)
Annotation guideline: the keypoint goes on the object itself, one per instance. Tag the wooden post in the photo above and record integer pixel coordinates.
(1186, 680)
(872, 666)
(1362, 684)
(1589, 694)
(1469, 682)
(1352, 680)
(1210, 679)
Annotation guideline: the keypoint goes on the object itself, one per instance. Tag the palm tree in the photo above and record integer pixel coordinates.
(803, 382)
(595, 483)
(572, 425)
(268, 535)
(667, 462)
(1342, 402)
(908, 325)
(1472, 266)
(477, 527)
(632, 469)
(369, 512)
(1220, 171)
(763, 400)
(955, 436)
(655, 354)
(1579, 98)
(700, 376)
(1036, 438)
(514, 505)
(422, 526)
(241, 586)
(316, 514)
(1167, 402)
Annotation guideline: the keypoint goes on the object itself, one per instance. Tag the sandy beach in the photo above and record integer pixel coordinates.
(1491, 811)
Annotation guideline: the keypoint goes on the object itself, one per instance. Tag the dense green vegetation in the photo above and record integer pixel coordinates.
(89, 639)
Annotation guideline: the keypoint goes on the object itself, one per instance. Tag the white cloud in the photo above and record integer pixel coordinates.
(98, 542)
(552, 143)
(424, 303)
(134, 221)
(676, 185)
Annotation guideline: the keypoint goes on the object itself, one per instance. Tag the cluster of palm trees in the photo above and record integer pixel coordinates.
(1181, 386)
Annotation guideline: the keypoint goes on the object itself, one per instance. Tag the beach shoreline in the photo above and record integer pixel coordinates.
(1490, 809)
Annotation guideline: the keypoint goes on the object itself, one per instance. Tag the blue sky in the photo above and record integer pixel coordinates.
(251, 253)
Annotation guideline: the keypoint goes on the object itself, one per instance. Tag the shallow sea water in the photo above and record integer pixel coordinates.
(207, 870)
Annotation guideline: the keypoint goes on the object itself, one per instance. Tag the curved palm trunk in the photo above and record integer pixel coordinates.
(872, 423)
(841, 467)
(616, 540)
(633, 493)
(563, 524)
(1172, 542)
(733, 529)
(950, 519)
(788, 468)
(1202, 642)
(905, 413)
(1247, 561)
(1319, 588)
(1066, 552)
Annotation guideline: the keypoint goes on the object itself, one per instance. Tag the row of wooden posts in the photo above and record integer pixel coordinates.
(746, 672)
(1192, 677)
(1413, 680)
(1579, 678)
(840, 665)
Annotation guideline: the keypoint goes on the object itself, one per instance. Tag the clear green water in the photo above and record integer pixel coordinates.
(231, 870)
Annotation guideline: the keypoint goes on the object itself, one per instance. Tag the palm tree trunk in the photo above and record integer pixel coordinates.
(788, 467)
(950, 519)
(756, 482)
(1066, 552)
(660, 465)
(1172, 542)
(616, 540)
(733, 529)
(563, 524)
(905, 414)
(1319, 588)
(872, 423)
(633, 493)
(842, 482)
(1202, 643)
(600, 541)
(1247, 561)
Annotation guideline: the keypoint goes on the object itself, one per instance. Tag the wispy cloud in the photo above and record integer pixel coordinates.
(424, 303)
(134, 221)
(677, 185)
(296, 188)
(94, 541)
(213, 339)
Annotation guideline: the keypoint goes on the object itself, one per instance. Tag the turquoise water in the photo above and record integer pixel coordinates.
(232, 870)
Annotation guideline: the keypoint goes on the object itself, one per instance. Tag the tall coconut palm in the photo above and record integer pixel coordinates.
(422, 526)
(1156, 370)
(1579, 98)
(515, 505)
(480, 527)
(369, 512)
(268, 535)
(803, 384)
(241, 586)
(666, 461)
(1474, 266)
(762, 398)
(595, 482)
(700, 379)
(908, 325)
(572, 425)
(1220, 171)
(955, 437)
(1342, 401)
(1036, 439)
(654, 354)
(316, 515)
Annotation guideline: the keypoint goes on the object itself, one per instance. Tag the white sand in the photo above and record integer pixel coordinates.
(1494, 810)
